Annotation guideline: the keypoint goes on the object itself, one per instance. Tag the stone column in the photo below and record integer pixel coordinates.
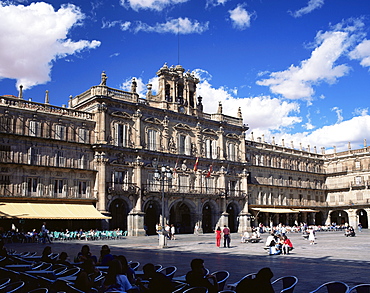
(221, 143)
(137, 132)
(244, 216)
(101, 185)
(352, 219)
(136, 216)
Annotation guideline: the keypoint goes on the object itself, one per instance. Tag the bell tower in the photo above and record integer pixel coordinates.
(177, 90)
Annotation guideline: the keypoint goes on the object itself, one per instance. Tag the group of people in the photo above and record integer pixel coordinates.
(226, 234)
(168, 231)
(278, 244)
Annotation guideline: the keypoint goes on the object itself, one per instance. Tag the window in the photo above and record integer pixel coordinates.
(35, 128)
(32, 185)
(210, 185)
(184, 143)
(34, 157)
(83, 135)
(152, 140)
(82, 162)
(5, 124)
(231, 152)
(232, 188)
(5, 151)
(60, 132)
(83, 187)
(58, 187)
(357, 165)
(4, 184)
(358, 180)
(120, 177)
(211, 149)
(60, 160)
(121, 135)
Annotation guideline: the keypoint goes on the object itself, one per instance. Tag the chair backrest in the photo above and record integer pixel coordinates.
(4, 282)
(227, 291)
(333, 287)
(70, 272)
(169, 272)
(134, 265)
(39, 290)
(362, 288)
(196, 290)
(288, 283)
(60, 270)
(73, 289)
(221, 277)
(158, 268)
(12, 287)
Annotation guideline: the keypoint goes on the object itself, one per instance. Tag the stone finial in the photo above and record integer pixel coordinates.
(323, 150)
(365, 144)
(263, 138)
(20, 94)
(219, 110)
(273, 140)
(292, 145)
(46, 97)
(334, 149)
(300, 146)
(252, 136)
(309, 148)
(70, 101)
(315, 149)
(283, 142)
(133, 85)
(149, 92)
(103, 79)
(349, 145)
(240, 113)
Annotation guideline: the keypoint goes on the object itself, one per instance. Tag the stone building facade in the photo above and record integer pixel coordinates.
(105, 149)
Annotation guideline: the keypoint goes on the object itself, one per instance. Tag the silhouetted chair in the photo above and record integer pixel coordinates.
(221, 277)
(362, 288)
(4, 282)
(196, 290)
(332, 287)
(169, 272)
(285, 284)
(69, 272)
(134, 265)
(39, 290)
(158, 268)
(179, 286)
(12, 287)
(227, 291)
(233, 285)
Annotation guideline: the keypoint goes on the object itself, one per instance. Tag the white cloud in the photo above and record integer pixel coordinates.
(215, 2)
(240, 17)
(362, 52)
(150, 4)
(297, 82)
(179, 25)
(124, 25)
(339, 114)
(31, 45)
(360, 111)
(311, 5)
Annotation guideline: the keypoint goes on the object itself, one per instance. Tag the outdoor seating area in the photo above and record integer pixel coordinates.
(25, 272)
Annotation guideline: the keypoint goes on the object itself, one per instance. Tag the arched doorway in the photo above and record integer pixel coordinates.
(207, 219)
(319, 218)
(233, 223)
(151, 217)
(362, 218)
(181, 218)
(119, 211)
(339, 217)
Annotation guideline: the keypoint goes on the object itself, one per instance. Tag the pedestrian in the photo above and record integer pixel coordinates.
(196, 229)
(198, 277)
(359, 227)
(261, 283)
(311, 237)
(218, 237)
(45, 233)
(226, 232)
(173, 232)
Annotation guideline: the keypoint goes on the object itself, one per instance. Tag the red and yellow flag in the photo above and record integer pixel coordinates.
(196, 165)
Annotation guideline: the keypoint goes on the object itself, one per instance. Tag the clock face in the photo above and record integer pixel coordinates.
(181, 109)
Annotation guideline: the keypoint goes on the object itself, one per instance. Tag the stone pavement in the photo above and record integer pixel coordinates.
(334, 257)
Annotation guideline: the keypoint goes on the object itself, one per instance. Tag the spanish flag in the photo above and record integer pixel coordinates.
(196, 165)
(209, 171)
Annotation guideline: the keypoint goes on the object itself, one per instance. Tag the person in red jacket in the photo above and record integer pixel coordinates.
(287, 245)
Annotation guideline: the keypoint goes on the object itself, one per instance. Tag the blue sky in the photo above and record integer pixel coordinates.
(299, 69)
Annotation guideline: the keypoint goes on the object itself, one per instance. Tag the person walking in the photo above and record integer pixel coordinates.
(173, 232)
(196, 229)
(311, 237)
(218, 236)
(45, 233)
(226, 232)
(359, 226)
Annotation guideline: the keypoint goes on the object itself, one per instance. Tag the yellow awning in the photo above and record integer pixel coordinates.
(49, 211)
(306, 210)
(275, 210)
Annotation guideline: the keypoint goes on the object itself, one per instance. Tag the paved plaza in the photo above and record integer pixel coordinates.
(333, 257)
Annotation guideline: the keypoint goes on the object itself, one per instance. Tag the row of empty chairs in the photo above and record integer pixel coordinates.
(341, 287)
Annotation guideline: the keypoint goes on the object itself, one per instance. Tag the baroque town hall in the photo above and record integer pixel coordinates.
(114, 160)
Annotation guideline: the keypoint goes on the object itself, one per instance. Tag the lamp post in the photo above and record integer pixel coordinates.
(163, 174)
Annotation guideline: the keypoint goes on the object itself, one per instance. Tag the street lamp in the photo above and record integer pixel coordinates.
(163, 174)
